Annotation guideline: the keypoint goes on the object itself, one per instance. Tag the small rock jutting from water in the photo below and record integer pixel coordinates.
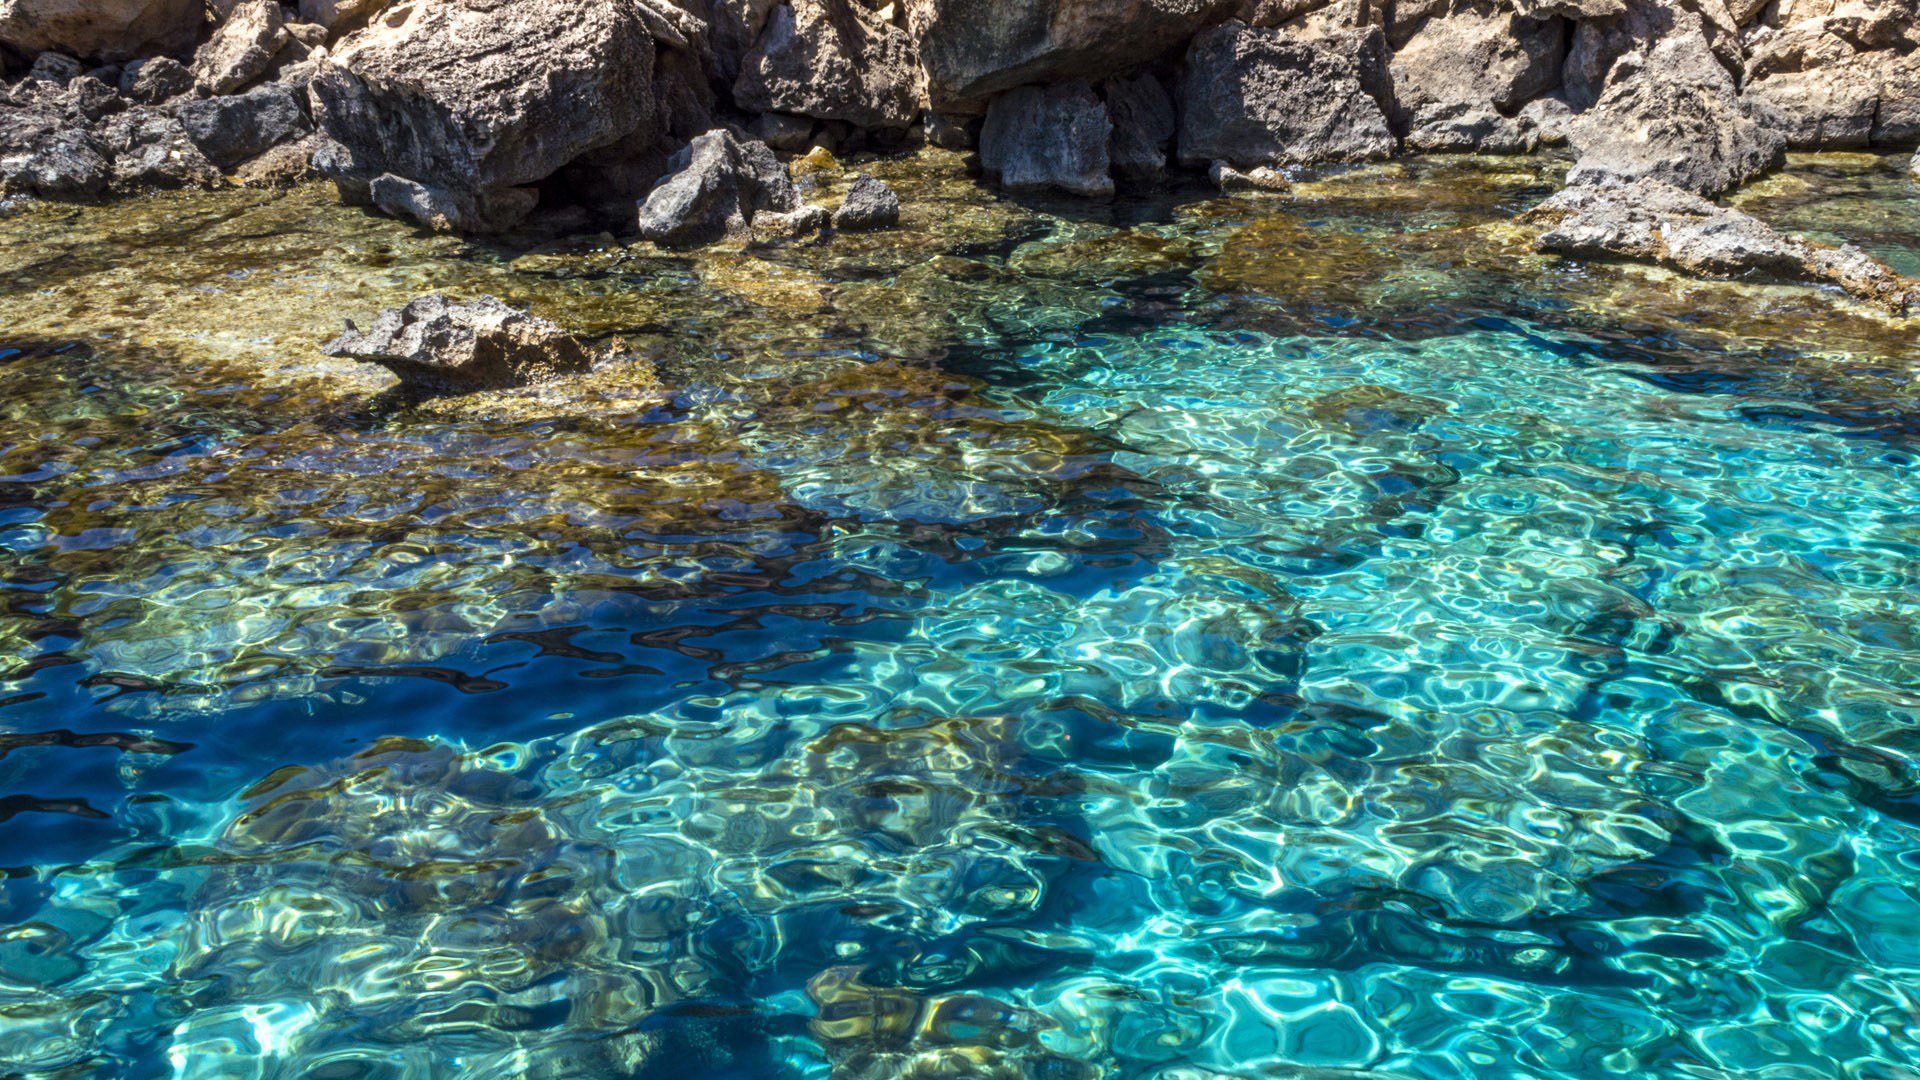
(719, 187)
(870, 204)
(1652, 221)
(437, 345)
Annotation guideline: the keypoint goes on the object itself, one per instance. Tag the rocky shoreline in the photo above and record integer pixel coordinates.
(684, 122)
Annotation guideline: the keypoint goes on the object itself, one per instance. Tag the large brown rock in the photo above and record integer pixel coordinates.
(242, 48)
(1253, 96)
(478, 99)
(833, 60)
(973, 49)
(1650, 221)
(101, 29)
(438, 345)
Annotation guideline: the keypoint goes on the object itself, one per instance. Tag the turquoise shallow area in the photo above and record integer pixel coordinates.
(1168, 690)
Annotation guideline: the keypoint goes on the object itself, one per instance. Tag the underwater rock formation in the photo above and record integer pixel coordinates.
(1648, 220)
(436, 344)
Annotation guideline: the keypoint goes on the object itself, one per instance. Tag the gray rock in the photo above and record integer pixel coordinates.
(1647, 220)
(870, 204)
(88, 99)
(1264, 178)
(782, 131)
(714, 188)
(1144, 123)
(1480, 58)
(1254, 97)
(804, 220)
(1673, 115)
(230, 130)
(1036, 138)
(973, 49)
(1466, 129)
(150, 82)
(106, 29)
(451, 210)
(151, 150)
(438, 345)
(283, 166)
(833, 60)
(241, 48)
(1551, 119)
(474, 99)
(953, 132)
(41, 154)
(54, 69)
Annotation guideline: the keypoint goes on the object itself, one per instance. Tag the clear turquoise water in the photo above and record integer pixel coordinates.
(1165, 693)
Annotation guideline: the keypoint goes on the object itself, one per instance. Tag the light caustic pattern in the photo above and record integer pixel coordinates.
(1156, 696)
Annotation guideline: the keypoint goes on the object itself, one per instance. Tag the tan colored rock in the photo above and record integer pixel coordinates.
(242, 48)
(102, 29)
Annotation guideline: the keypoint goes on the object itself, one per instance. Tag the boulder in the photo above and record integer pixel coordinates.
(1673, 114)
(1696, 41)
(833, 60)
(444, 210)
(870, 204)
(150, 82)
(953, 132)
(152, 150)
(338, 15)
(1839, 99)
(1144, 124)
(54, 69)
(973, 49)
(803, 220)
(1253, 96)
(438, 345)
(1036, 138)
(105, 29)
(242, 48)
(1648, 220)
(230, 130)
(714, 189)
(1230, 180)
(475, 100)
(1462, 76)
(784, 132)
(1897, 123)
(43, 154)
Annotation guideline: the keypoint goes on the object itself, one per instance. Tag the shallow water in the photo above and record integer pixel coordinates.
(1268, 636)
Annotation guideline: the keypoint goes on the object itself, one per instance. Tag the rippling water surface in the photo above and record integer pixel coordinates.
(1298, 637)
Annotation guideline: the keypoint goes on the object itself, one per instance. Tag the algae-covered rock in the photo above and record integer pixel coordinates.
(436, 344)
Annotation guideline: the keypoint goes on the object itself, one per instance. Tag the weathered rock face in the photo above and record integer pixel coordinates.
(150, 82)
(1037, 138)
(973, 49)
(1254, 97)
(152, 150)
(229, 130)
(1144, 124)
(1459, 80)
(870, 204)
(242, 49)
(1838, 75)
(1650, 221)
(714, 190)
(436, 344)
(43, 154)
(1673, 114)
(103, 29)
(479, 97)
(833, 60)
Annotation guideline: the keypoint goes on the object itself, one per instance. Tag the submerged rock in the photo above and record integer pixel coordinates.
(870, 204)
(1037, 138)
(436, 344)
(1264, 178)
(1652, 221)
(1255, 97)
(715, 188)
